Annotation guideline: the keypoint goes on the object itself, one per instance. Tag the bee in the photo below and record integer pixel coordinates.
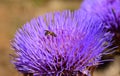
(47, 32)
(28, 74)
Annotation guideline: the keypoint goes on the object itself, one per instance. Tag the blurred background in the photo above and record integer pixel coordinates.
(15, 13)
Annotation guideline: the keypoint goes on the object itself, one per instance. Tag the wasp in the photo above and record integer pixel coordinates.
(47, 32)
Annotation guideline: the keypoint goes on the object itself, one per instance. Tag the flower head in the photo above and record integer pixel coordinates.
(107, 10)
(59, 44)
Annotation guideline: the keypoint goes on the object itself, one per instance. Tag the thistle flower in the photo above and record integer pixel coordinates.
(109, 12)
(59, 44)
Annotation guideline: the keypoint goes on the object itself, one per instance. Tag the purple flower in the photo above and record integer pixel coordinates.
(60, 44)
(107, 10)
